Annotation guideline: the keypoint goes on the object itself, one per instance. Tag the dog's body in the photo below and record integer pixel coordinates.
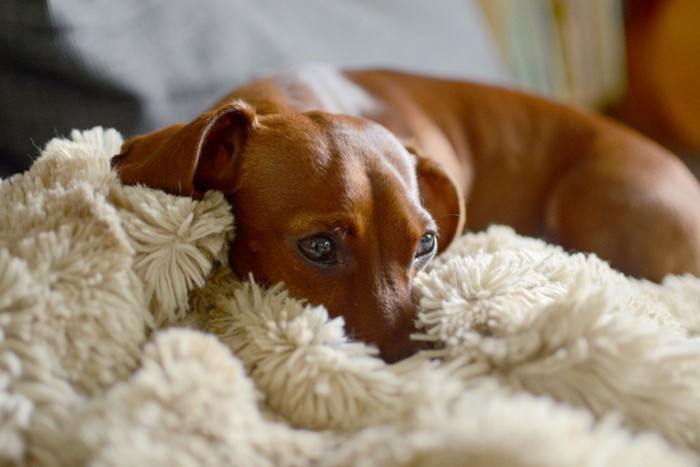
(330, 202)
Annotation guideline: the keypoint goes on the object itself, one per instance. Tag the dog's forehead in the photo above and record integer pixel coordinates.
(328, 163)
(338, 144)
(373, 164)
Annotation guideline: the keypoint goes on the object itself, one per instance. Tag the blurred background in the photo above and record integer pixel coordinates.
(137, 65)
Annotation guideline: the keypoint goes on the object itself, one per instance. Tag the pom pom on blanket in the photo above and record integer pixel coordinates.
(539, 357)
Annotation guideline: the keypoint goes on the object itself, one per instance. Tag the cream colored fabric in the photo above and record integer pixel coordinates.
(127, 341)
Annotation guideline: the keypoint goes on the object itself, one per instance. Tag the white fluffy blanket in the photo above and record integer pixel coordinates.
(126, 341)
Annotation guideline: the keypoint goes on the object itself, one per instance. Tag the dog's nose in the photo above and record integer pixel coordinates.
(395, 353)
(397, 344)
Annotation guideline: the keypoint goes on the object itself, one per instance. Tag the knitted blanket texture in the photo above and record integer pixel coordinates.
(126, 340)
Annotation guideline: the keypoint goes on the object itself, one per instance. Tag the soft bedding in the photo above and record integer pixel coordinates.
(126, 340)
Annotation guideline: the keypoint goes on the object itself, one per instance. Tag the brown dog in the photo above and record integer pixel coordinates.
(328, 199)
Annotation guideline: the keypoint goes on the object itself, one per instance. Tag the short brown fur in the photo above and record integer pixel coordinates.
(292, 169)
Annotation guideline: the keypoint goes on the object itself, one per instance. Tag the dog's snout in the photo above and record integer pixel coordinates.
(398, 344)
(397, 353)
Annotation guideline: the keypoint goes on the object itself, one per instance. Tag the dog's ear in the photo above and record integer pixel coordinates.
(189, 159)
(442, 197)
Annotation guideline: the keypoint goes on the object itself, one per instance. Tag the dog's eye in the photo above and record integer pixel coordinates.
(426, 245)
(319, 249)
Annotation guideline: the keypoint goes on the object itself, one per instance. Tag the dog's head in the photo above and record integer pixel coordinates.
(333, 206)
